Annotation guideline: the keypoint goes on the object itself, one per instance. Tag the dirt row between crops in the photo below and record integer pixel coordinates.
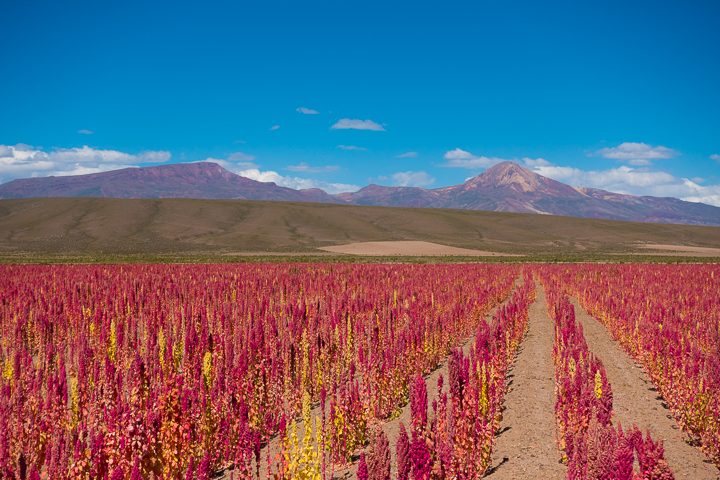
(636, 401)
(526, 446)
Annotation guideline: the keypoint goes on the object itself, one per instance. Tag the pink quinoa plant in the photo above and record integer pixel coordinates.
(378, 458)
(402, 448)
(362, 471)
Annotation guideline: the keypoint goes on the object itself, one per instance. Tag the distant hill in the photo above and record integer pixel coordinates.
(508, 187)
(182, 180)
(105, 226)
(505, 187)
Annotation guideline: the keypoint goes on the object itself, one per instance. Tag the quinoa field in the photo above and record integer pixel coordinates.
(369, 371)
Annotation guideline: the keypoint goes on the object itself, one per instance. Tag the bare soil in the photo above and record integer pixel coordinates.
(526, 446)
(636, 401)
(407, 248)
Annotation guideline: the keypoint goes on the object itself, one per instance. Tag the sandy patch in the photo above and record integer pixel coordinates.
(678, 250)
(408, 248)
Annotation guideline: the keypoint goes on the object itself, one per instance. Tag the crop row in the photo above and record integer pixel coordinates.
(591, 446)
(668, 319)
(457, 440)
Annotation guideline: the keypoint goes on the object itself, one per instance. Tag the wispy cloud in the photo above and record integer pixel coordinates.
(351, 148)
(304, 167)
(355, 124)
(459, 158)
(637, 153)
(89, 155)
(535, 162)
(25, 161)
(241, 157)
(235, 161)
(85, 131)
(407, 155)
(274, 128)
(715, 156)
(412, 179)
(307, 111)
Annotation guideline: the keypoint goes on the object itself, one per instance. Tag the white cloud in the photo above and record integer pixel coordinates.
(307, 111)
(296, 182)
(634, 181)
(698, 193)
(355, 124)
(304, 167)
(459, 158)
(412, 179)
(260, 176)
(274, 128)
(636, 153)
(351, 148)
(715, 156)
(407, 155)
(250, 170)
(85, 131)
(25, 161)
(622, 179)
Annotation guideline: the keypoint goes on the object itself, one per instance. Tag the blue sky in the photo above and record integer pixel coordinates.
(617, 95)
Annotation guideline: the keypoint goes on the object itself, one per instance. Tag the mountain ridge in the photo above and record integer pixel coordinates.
(205, 180)
(503, 187)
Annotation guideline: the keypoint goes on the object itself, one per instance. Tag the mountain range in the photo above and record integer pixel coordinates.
(504, 187)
